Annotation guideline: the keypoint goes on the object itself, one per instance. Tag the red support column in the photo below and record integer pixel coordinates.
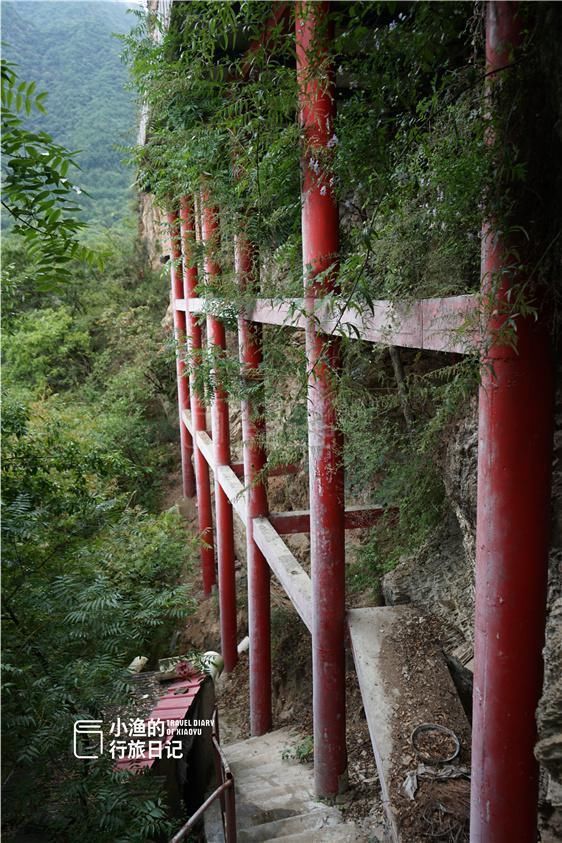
(320, 235)
(512, 538)
(253, 434)
(186, 444)
(216, 339)
(194, 342)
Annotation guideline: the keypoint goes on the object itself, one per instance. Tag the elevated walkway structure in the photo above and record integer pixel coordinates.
(515, 444)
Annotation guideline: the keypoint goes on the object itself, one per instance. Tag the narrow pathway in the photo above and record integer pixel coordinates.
(275, 796)
(406, 687)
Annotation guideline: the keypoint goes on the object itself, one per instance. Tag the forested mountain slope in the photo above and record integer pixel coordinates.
(69, 49)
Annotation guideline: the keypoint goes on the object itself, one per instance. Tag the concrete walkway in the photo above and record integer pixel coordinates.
(275, 796)
(404, 682)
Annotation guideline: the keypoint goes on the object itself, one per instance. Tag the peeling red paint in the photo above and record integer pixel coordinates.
(194, 339)
(216, 339)
(253, 436)
(320, 235)
(512, 538)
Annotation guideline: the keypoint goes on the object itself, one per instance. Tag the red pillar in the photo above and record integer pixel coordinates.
(194, 341)
(320, 249)
(512, 537)
(186, 444)
(253, 435)
(216, 339)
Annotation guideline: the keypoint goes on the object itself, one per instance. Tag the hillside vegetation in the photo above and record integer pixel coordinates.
(69, 50)
(92, 568)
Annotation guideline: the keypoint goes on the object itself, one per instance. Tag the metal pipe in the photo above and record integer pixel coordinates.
(194, 818)
(320, 236)
(194, 344)
(512, 536)
(216, 339)
(186, 444)
(230, 814)
(255, 458)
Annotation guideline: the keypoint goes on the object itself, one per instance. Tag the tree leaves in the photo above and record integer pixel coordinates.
(37, 194)
(87, 583)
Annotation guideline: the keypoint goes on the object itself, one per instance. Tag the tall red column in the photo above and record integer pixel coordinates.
(320, 236)
(194, 342)
(253, 434)
(216, 338)
(512, 537)
(186, 445)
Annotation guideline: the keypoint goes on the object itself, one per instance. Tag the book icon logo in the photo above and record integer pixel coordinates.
(88, 739)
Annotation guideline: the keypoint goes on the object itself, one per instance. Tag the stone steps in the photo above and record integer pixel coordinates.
(311, 822)
(275, 796)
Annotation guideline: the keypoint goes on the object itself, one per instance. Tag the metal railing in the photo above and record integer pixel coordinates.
(224, 792)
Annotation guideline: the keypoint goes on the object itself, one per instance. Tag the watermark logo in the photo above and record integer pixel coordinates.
(88, 739)
(135, 739)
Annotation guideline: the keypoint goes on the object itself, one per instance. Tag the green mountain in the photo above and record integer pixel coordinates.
(70, 50)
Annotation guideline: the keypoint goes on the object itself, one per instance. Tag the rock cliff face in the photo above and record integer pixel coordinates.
(549, 721)
(151, 230)
(440, 579)
(549, 713)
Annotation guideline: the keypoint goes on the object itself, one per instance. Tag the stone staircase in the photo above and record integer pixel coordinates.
(275, 796)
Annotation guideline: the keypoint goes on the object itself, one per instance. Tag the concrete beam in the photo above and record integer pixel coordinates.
(396, 697)
(286, 568)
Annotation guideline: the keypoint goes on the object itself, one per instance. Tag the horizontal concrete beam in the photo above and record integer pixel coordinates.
(286, 568)
(284, 565)
(278, 471)
(233, 489)
(448, 324)
(298, 521)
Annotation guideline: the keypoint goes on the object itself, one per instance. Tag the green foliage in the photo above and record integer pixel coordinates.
(47, 349)
(422, 153)
(70, 50)
(92, 572)
(37, 192)
(400, 460)
(302, 752)
(410, 165)
(88, 584)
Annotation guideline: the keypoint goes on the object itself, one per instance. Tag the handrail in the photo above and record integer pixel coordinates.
(224, 791)
(194, 818)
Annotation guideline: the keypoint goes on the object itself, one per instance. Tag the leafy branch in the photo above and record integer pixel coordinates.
(37, 193)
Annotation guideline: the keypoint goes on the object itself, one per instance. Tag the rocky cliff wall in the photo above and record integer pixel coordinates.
(152, 231)
(440, 579)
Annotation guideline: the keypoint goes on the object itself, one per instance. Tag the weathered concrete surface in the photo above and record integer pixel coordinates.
(439, 577)
(400, 692)
(275, 796)
(367, 631)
